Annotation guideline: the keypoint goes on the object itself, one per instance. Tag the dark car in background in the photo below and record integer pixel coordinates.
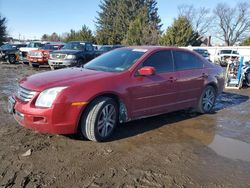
(8, 52)
(72, 54)
(106, 48)
(203, 52)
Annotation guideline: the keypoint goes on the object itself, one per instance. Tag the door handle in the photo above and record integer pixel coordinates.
(204, 75)
(172, 79)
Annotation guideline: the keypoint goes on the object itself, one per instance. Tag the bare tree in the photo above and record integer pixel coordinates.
(232, 23)
(199, 17)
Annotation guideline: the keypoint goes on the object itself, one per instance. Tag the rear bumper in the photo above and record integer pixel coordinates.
(59, 119)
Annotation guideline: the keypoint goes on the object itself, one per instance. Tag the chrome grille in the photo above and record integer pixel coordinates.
(25, 94)
(35, 54)
(57, 56)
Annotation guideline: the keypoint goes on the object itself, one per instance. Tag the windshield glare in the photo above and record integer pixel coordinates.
(116, 60)
(73, 46)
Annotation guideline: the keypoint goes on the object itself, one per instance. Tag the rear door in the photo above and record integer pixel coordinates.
(190, 77)
(154, 94)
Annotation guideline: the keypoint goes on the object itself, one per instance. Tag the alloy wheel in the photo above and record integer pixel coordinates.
(107, 120)
(208, 99)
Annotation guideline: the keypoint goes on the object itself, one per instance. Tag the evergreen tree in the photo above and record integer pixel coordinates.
(45, 37)
(3, 33)
(141, 31)
(180, 33)
(85, 34)
(246, 42)
(118, 16)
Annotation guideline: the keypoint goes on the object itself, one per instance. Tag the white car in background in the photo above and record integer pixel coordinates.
(225, 56)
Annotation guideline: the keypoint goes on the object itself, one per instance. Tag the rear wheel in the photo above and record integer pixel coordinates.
(12, 59)
(207, 100)
(248, 79)
(100, 119)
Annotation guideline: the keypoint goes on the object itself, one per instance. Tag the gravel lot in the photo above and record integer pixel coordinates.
(180, 149)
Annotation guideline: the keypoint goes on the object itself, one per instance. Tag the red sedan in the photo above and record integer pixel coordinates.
(119, 86)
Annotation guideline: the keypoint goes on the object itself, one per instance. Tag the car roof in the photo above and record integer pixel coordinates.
(156, 48)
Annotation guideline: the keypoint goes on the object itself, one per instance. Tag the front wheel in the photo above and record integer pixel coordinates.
(207, 100)
(12, 59)
(100, 119)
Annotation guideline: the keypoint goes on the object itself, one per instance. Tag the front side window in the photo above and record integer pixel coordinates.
(162, 61)
(185, 60)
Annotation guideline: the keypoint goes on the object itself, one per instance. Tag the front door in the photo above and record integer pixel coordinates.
(154, 94)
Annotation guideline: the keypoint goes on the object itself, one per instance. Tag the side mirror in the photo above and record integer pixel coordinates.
(146, 71)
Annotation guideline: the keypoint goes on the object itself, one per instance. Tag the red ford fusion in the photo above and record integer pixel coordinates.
(119, 86)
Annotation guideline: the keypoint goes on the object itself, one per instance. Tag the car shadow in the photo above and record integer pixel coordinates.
(133, 128)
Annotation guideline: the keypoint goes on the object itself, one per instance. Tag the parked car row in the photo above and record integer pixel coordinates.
(54, 55)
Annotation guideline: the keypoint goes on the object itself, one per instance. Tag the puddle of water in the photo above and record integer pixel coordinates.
(230, 148)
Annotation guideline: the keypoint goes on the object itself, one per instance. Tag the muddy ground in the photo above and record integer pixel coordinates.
(180, 149)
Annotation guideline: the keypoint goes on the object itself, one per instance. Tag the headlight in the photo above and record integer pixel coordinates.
(47, 97)
(70, 57)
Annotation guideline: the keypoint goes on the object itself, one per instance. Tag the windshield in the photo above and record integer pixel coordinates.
(50, 47)
(34, 45)
(228, 52)
(73, 46)
(6, 46)
(116, 60)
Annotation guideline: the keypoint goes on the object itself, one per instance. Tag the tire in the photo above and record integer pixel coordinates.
(248, 79)
(100, 119)
(207, 100)
(35, 66)
(80, 62)
(12, 59)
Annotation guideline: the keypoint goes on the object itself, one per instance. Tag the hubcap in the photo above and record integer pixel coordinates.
(12, 59)
(106, 120)
(208, 100)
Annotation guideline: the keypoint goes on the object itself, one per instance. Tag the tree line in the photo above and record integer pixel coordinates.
(137, 22)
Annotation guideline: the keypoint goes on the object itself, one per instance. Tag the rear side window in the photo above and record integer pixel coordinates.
(162, 61)
(185, 60)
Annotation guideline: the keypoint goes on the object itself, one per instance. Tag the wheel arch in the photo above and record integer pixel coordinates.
(122, 107)
(214, 85)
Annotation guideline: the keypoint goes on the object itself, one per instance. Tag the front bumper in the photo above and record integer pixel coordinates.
(55, 63)
(38, 60)
(59, 119)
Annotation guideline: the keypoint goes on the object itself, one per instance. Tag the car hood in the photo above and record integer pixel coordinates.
(27, 49)
(70, 52)
(62, 77)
